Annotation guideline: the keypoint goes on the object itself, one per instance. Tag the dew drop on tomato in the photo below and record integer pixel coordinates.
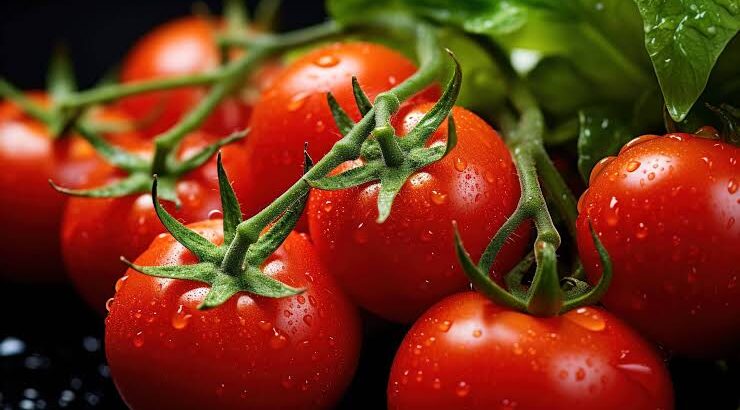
(181, 318)
(587, 319)
(462, 389)
(326, 61)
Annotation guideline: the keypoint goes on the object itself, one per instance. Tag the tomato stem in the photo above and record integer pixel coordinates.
(349, 146)
(545, 297)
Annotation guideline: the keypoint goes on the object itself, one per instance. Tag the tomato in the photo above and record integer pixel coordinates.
(97, 232)
(294, 110)
(666, 210)
(399, 268)
(180, 47)
(251, 352)
(468, 353)
(30, 211)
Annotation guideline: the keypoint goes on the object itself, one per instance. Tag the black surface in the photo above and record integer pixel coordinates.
(51, 354)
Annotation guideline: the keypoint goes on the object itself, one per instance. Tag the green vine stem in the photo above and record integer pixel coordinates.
(233, 267)
(349, 146)
(544, 296)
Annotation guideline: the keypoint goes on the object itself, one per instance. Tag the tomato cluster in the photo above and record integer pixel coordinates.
(665, 209)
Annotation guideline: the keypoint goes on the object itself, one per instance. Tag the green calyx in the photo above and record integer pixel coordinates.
(234, 266)
(547, 293)
(386, 158)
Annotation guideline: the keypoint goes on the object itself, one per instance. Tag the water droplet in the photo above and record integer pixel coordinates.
(108, 304)
(430, 341)
(327, 60)
(264, 325)
(477, 333)
(287, 313)
(120, 282)
(518, 349)
(215, 214)
(297, 102)
(320, 126)
(563, 374)
(460, 164)
(426, 235)
(613, 202)
(181, 318)
(587, 318)
(438, 198)
(730, 222)
(580, 374)
(633, 165)
(732, 186)
(138, 340)
(312, 300)
(436, 383)
(651, 176)
(642, 231)
(287, 382)
(308, 319)
(462, 389)
(360, 234)
(278, 340)
(419, 376)
(444, 326)
(328, 206)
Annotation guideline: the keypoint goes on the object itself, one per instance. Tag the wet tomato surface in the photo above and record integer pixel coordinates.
(468, 353)
(251, 352)
(667, 210)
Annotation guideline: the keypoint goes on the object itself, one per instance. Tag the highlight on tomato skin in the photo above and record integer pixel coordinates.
(665, 209)
(468, 353)
(251, 352)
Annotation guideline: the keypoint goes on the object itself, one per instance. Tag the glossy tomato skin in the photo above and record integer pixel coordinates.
(180, 47)
(399, 268)
(666, 210)
(97, 232)
(468, 353)
(294, 110)
(251, 352)
(30, 210)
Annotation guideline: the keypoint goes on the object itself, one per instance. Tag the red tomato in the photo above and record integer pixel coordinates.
(469, 353)
(666, 210)
(251, 352)
(399, 268)
(30, 211)
(294, 110)
(180, 47)
(97, 232)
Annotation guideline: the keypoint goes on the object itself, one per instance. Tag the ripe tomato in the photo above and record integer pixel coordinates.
(399, 268)
(97, 232)
(468, 353)
(180, 47)
(294, 110)
(251, 352)
(30, 211)
(666, 210)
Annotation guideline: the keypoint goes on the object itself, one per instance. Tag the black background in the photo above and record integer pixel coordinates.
(62, 361)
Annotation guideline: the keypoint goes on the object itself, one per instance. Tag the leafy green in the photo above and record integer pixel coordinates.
(601, 39)
(684, 38)
(602, 132)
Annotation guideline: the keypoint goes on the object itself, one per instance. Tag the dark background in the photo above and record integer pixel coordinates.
(51, 353)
